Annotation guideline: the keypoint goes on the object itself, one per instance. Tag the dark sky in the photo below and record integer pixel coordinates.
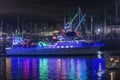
(50, 9)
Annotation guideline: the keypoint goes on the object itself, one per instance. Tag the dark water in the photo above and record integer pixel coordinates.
(57, 69)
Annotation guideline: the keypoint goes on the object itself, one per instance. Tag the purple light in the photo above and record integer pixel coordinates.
(58, 46)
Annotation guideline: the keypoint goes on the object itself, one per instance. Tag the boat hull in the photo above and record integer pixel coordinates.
(51, 52)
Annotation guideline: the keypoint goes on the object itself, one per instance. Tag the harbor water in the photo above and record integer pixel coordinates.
(60, 68)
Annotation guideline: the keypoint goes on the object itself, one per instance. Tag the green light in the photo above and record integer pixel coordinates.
(43, 69)
(42, 44)
(73, 19)
(72, 70)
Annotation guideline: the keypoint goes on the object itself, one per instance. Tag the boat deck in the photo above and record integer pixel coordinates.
(61, 48)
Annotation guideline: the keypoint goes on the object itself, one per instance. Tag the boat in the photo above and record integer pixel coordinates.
(67, 44)
(61, 48)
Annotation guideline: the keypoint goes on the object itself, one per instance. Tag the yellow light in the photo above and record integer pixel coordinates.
(111, 59)
(116, 61)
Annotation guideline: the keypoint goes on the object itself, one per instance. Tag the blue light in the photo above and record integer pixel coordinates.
(17, 40)
(98, 69)
(58, 46)
(75, 44)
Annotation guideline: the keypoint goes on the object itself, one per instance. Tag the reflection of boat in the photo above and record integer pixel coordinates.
(60, 48)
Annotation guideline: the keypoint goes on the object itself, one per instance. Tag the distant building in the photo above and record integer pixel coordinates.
(49, 33)
(111, 28)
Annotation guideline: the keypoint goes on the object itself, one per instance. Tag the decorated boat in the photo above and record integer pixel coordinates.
(66, 43)
(75, 47)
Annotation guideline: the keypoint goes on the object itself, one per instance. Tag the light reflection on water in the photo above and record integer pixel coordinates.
(55, 68)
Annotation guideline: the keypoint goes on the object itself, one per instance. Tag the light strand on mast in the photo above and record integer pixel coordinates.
(80, 22)
(73, 19)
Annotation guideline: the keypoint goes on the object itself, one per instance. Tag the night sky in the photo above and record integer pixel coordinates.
(52, 10)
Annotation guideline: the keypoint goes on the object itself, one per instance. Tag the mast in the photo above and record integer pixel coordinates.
(64, 20)
(7, 29)
(81, 20)
(31, 27)
(116, 6)
(79, 11)
(11, 29)
(105, 28)
(91, 25)
(35, 28)
(1, 29)
(18, 25)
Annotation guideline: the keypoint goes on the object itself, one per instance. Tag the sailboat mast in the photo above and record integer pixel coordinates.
(35, 28)
(79, 11)
(1, 28)
(18, 25)
(91, 25)
(105, 28)
(116, 4)
(11, 29)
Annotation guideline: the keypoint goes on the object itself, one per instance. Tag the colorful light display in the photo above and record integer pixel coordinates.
(43, 69)
(17, 40)
(42, 44)
(75, 44)
(56, 69)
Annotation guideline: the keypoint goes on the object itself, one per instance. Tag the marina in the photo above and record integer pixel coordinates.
(59, 40)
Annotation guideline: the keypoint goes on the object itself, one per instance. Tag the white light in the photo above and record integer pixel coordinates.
(98, 30)
(67, 46)
(62, 46)
(99, 54)
(71, 46)
(8, 48)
